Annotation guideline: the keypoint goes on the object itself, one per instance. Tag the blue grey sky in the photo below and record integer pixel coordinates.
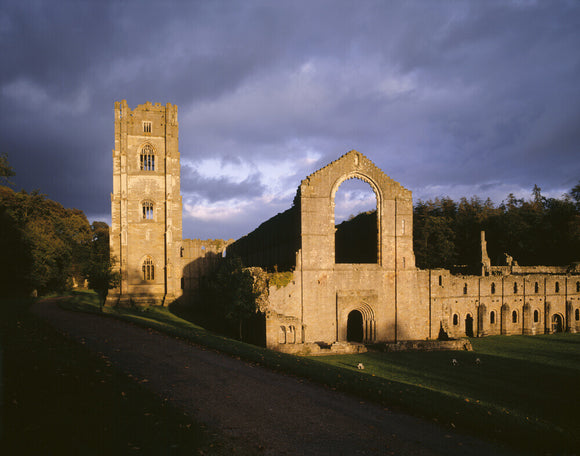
(448, 98)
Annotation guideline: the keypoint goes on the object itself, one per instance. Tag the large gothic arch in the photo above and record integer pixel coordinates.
(378, 198)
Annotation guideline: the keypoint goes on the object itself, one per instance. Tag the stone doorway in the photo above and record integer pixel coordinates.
(469, 325)
(557, 323)
(354, 327)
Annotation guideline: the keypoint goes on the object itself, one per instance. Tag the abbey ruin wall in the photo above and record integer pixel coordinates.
(351, 284)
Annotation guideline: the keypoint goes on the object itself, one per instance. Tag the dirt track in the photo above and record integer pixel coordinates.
(273, 413)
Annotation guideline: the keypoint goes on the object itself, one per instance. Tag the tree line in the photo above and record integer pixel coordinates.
(47, 248)
(536, 231)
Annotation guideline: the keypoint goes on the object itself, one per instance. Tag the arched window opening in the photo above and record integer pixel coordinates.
(536, 316)
(469, 325)
(577, 287)
(493, 288)
(577, 314)
(455, 319)
(291, 335)
(465, 289)
(354, 327)
(440, 281)
(514, 317)
(515, 287)
(536, 287)
(355, 218)
(147, 210)
(147, 160)
(148, 269)
(282, 335)
(492, 318)
(557, 287)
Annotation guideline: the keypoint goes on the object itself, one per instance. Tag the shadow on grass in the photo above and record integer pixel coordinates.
(60, 398)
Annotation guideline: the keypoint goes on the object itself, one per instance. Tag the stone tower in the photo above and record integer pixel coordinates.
(146, 207)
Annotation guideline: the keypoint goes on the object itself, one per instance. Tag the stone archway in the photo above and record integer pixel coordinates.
(354, 327)
(557, 323)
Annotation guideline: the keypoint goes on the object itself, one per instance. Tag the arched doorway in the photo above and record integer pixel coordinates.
(354, 327)
(557, 323)
(469, 325)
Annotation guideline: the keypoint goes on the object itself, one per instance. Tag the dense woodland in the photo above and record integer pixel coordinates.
(45, 247)
(538, 231)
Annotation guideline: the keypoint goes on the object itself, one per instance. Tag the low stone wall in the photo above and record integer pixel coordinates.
(314, 349)
(426, 345)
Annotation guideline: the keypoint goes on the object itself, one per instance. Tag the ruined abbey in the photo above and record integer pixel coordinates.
(331, 302)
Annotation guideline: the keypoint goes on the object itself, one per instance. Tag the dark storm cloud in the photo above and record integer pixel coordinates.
(449, 98)
(218, 189)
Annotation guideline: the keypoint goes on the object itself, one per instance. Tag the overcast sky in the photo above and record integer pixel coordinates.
(449, 98)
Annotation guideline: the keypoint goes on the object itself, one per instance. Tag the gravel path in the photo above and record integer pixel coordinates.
(273, 413)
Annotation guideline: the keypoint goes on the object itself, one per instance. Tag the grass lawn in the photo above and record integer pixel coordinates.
(525, 393)
(57, 398)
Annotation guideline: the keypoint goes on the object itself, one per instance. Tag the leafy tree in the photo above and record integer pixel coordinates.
(52, 242)
(229, 295)
(433, 234)
(100, 269)
(6, 170)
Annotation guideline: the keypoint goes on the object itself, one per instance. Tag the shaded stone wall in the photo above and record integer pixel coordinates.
(199, 258)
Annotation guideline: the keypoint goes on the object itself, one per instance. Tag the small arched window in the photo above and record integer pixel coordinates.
(515, 287)
(493, 288)
(147, 162)
(441, 281)
(148, 269)
(536, 287)
(455, 319)
(147, 210)
(514, 317)
(536, 316)
(577, 314)
(291, 335)
(465, 289)
(577, 287)
(492, 317)
(557, 287)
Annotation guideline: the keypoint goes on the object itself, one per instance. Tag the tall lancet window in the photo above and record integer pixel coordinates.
(148, 269)
(147, 162)
(147, 210)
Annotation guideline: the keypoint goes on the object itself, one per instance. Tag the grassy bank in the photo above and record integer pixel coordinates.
(522, 393)
(58, 398)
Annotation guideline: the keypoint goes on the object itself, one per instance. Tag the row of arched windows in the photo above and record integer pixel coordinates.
(514, 317)
(536, 287)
